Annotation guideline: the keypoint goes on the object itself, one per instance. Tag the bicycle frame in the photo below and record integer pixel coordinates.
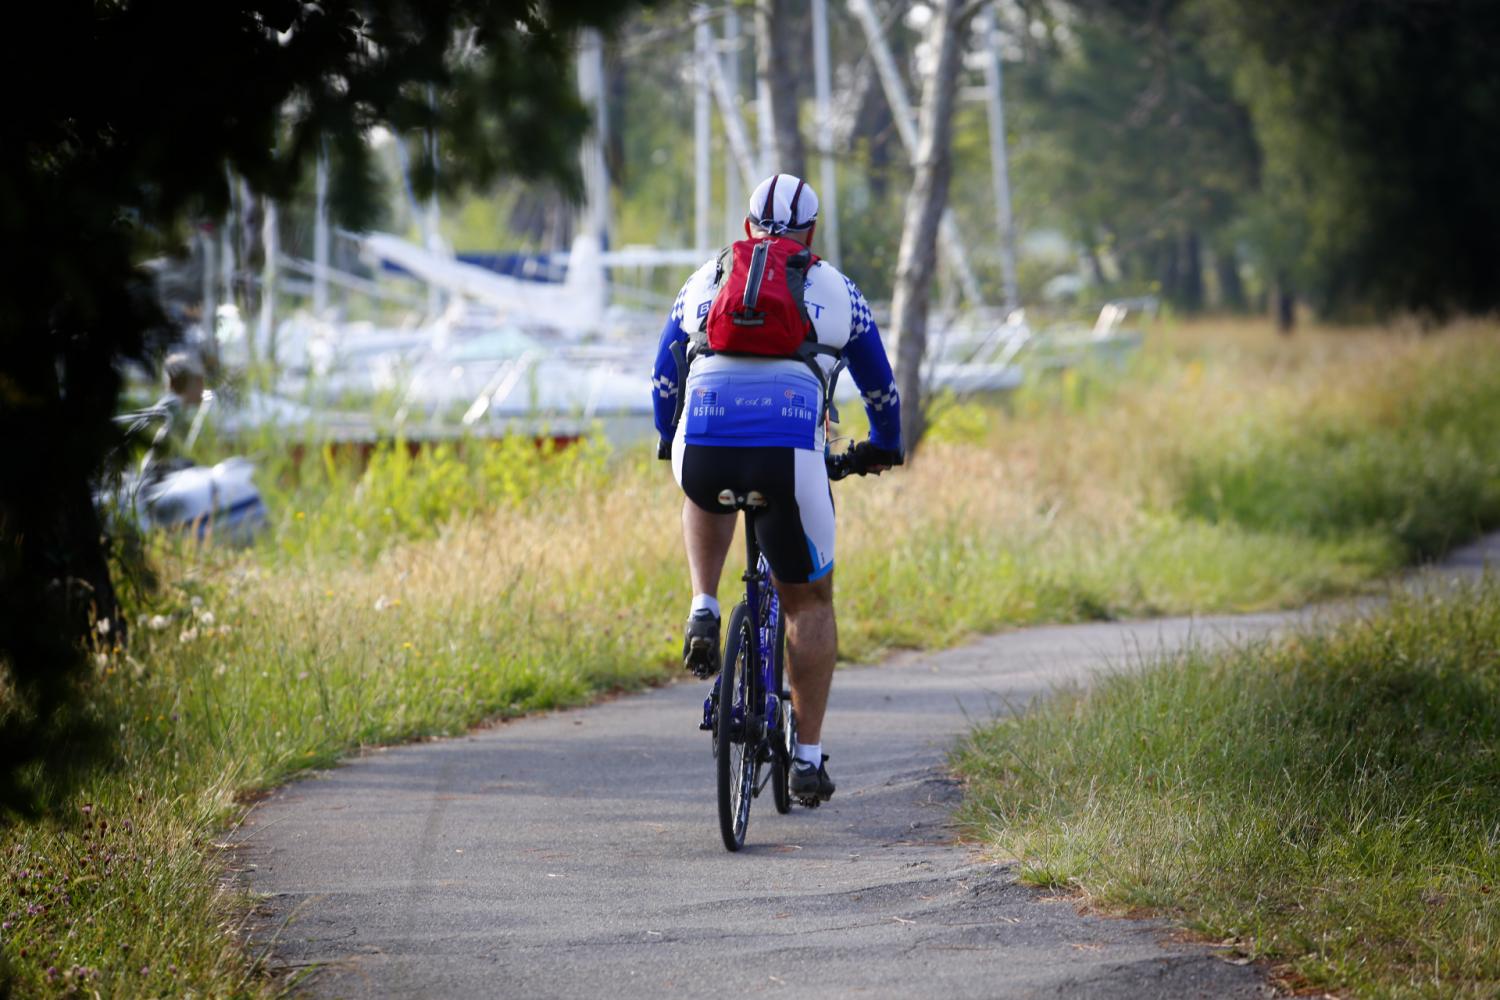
(764, 606)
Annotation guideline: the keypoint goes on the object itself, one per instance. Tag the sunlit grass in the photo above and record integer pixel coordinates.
(1331, 804)
(421, 596)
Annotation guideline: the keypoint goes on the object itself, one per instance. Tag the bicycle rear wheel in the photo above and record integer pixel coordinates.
(737, 747)
(781, 754)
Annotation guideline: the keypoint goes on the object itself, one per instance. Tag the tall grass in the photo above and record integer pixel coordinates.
(417, 595)
(1331, 804)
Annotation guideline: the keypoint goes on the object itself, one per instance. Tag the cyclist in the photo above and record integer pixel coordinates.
(756, 423)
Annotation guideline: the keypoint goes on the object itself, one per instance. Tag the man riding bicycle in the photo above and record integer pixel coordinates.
(747, 421)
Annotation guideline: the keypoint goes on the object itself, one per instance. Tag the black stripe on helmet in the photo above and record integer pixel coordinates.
(768, 210)
(791, 223)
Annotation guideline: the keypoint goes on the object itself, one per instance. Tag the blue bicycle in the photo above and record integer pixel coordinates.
(749, 711)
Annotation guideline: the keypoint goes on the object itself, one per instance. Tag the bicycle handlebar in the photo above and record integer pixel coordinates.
(839, 466)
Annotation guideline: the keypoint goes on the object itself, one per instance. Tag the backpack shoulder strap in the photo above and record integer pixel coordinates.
(808, 352)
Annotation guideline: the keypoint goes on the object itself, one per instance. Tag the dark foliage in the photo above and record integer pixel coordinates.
(1382, 120)
(124, 117)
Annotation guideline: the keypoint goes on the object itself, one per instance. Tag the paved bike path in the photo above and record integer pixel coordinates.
(578, 854)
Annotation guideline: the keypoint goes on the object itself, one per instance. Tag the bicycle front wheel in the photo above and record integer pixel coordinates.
(737, 750)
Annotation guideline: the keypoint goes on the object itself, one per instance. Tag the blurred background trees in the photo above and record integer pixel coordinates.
(1331, 153)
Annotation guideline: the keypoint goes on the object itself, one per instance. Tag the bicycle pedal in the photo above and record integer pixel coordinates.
(811, 802)
(706, 727)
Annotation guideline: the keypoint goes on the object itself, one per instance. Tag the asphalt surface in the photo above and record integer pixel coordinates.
(578, 854)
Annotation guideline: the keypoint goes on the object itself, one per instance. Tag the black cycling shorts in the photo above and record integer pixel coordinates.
(795, 530)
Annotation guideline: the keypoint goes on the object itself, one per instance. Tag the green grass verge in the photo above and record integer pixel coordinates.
(422, 595)
(1330, 804)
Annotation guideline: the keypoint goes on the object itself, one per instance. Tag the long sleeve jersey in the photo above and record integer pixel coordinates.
(841, 318)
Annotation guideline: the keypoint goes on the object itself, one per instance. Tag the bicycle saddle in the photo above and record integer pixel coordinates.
(754, 498)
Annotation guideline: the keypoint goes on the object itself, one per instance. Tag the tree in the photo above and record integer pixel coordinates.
(1380, 127)
(916, 261)
(1142, 147)
(780, 30)
(132, 111)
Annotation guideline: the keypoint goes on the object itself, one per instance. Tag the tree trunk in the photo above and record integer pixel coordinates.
(1231, 288)
(1167, 271)
(1284, 301)
(1096, 266)
(775, 65)
(917, 259)
(1190, 272)
(874, 123)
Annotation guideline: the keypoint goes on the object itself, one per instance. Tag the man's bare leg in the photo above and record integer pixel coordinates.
(811, 649)
(706, 537)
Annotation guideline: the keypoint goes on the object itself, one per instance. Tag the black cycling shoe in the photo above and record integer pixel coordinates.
(700, 643)
(811, 784)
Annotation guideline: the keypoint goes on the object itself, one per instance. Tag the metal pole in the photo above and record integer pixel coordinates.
(906, 128)
(435, 298)
(734, 196)
(595, 174)
(702, 181)
(270, 241)
(765, 130)
(734, 126)
(209, 306)
(999, 161)
(226, 243)
(320, 236)
(828, 206)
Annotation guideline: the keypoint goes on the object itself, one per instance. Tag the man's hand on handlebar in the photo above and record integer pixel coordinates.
(865, 458)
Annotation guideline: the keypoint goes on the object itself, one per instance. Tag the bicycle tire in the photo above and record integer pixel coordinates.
(781, 761)
(736, 756)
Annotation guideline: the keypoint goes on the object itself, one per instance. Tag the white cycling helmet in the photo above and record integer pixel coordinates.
(783, 202)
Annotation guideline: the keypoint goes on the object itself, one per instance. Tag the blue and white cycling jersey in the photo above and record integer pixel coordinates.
(740, 401)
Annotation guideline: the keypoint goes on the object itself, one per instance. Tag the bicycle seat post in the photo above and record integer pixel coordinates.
(752, 549)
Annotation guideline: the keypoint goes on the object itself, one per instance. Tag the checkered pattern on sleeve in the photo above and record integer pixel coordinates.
(879, 399)
(665, 386)
(677, 307)
(859, 311)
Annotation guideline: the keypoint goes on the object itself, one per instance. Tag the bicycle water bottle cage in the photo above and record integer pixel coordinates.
(755, 498)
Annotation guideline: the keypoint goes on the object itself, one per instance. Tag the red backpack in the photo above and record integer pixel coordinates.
(759, 309)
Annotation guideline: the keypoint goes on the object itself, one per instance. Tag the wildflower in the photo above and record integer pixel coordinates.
(196, 601)
(301, 516)
(206, 619)
(158, 622)
(302, 676)
(101, 660)
(102, 626)
(221, 670)
(382, 602)
(406, 645)
(188, 635)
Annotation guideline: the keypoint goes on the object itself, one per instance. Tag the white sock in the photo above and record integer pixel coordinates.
(812, 753)
(701, 601)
